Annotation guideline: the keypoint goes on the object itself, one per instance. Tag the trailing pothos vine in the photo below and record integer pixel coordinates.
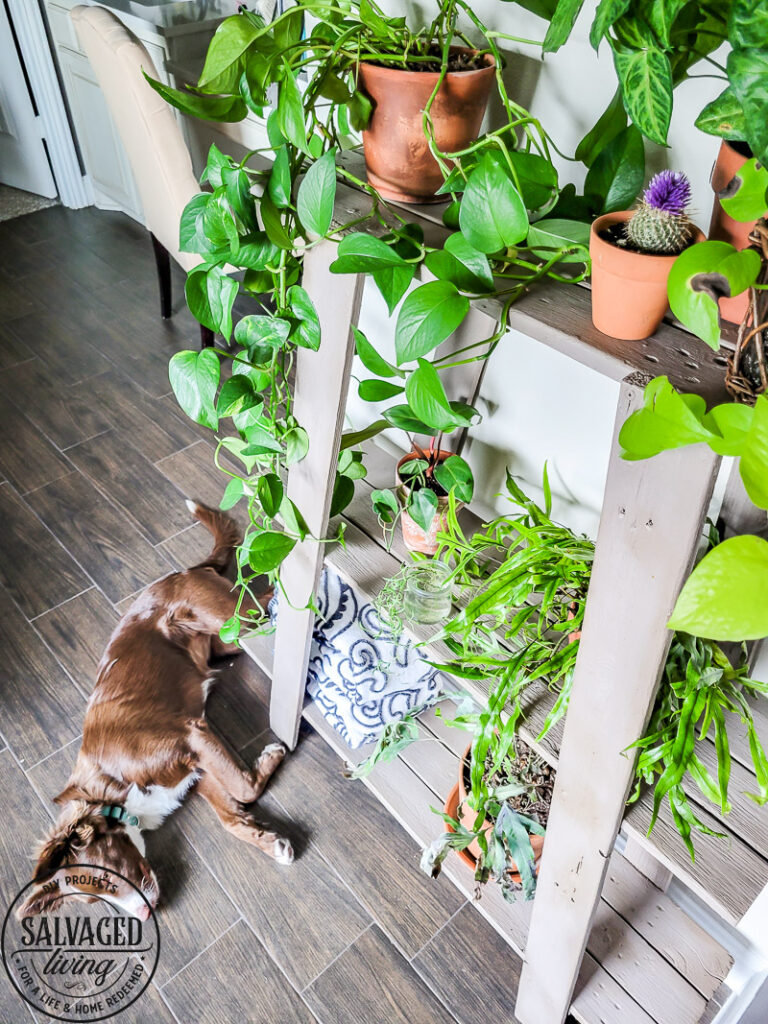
(262, 222)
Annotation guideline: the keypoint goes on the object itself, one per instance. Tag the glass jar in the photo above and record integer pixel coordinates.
(428, 593)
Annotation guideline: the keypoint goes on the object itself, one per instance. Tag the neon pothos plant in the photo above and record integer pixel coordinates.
(655, 45)
(262, 222)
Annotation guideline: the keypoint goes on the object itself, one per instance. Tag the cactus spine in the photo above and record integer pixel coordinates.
(660, 225)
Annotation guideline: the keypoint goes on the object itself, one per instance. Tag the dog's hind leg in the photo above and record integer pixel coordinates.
(240, 823)
(215, 759)
(202, 601)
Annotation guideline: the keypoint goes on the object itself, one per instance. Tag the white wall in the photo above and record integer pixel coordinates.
(547, 408)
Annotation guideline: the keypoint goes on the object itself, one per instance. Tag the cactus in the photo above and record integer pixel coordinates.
(660, 224)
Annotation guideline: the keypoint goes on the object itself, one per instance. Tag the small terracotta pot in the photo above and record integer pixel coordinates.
(414, 538)
(456, 804)
(731, 158)
(397, 156)
(629, 289)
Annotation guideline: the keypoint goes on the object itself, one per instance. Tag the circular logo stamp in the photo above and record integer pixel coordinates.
(72, 952)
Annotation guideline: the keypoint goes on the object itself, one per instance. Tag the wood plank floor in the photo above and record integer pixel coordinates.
(95, 462)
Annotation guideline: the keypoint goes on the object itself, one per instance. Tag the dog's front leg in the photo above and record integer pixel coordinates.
(242, 824)
(215, 759)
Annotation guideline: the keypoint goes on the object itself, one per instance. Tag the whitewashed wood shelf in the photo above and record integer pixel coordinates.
(650, 526)
(646, 959)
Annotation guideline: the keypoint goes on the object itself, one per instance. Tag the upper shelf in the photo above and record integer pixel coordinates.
(560, 316)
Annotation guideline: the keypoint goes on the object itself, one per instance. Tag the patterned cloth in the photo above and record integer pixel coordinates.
(360, 676)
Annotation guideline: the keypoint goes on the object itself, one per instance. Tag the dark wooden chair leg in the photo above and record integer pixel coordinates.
(206, 337)
(163, 262)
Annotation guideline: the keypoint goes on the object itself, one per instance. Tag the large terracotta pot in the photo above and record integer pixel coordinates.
(456, 804)
(629, 289)
(414, 538)
(730, 159)
(397, 156)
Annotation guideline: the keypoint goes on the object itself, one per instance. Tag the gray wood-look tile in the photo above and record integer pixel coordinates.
(27, 458)
(34, 567)
(133, 484)
(304, 914)
(409, 906)
(99, 536)
(235, 980)
(371, 982)
(78, 632)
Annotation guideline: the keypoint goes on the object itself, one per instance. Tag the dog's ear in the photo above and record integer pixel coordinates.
(51, 856)
(70, 792)
(42, 898)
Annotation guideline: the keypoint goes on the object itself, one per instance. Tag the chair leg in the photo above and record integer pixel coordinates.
(206, 337)
(163, 263)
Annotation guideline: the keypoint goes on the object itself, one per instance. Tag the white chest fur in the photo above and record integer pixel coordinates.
(153, 805)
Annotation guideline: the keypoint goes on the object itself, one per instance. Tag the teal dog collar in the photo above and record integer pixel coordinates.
(119, 814)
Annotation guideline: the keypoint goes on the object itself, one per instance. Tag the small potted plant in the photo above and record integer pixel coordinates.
(425, 480)
(420, 593)
(632, 254)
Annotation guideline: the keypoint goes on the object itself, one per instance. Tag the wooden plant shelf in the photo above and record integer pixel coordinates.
(646, 958)
(650, 525)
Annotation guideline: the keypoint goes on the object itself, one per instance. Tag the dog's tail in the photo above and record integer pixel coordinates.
(226, 535)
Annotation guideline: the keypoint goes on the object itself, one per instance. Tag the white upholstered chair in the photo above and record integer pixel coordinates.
(150, 134)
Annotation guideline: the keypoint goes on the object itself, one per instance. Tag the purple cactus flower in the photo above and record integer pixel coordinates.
(669, 191)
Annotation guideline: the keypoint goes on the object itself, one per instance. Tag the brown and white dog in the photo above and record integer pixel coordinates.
(146, 741)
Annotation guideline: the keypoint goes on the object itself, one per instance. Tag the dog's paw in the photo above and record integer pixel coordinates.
(274, 750)
(283, 851)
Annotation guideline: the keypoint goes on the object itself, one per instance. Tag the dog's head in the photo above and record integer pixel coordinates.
(83, 835)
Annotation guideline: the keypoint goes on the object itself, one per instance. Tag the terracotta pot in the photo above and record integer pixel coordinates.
(722, 228)
(414, 538)
(456, 804)
(629, 289)
(397, 156)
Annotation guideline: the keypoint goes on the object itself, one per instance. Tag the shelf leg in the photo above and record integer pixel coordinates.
(322, 382)
(651, 521)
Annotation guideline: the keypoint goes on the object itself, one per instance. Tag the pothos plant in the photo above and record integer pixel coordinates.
(655, 44)
(262, 222)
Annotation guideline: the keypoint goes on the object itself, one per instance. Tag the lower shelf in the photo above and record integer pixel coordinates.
(646, 961)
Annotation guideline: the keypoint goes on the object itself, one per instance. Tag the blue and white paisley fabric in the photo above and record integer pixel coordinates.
(360, 675)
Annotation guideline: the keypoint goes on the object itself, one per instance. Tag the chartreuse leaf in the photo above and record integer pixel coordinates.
(279, 185)
(359, 253)
(422, 506)
(237, 395)
(429, 315)
(726, 595)
(194, 377)
(744, 198)
(210, 294)
(230, 40)
(616, 174)
(268, 549)
(296, 445)
(306, 331)
(233, 493)
(317, 194)
(290, 111)
(548, 236)
(492, 215)
(700, 276)
(384, 505)
(754, 457)
(561, 25)
(426, 397)
(724, 116)
(667, 420)
(209, 108)
(748, 75)
(371, 359)
(378, 390)
(269, 491)
(262, 330)
(455, 475)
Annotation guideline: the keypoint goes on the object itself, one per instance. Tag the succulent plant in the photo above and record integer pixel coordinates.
(660, 224)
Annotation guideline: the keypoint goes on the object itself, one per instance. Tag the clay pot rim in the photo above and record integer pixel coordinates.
(632, 261)
(490, 65)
